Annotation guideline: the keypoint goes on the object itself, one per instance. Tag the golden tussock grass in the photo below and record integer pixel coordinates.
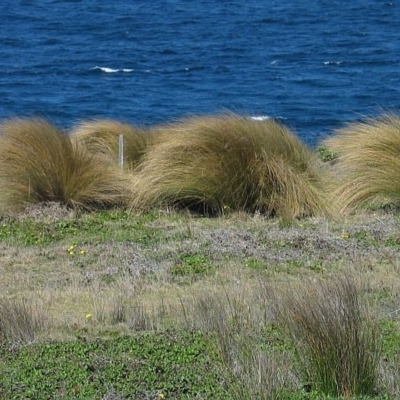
(101, 137)
(368, 166)
(39, 163)
(229, 162)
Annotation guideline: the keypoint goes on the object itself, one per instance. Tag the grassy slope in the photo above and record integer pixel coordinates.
(133, 305)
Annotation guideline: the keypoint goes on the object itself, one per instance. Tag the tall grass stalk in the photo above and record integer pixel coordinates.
(213, 164)
(101, 137)
(39, 163)
(230, 323)
(20, 320)
(368, 166)
(337, 342)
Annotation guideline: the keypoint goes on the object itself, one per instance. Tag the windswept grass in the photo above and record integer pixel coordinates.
(228, 162)
(368, 166)
(102, 137)
(39, 163)
(337, 341)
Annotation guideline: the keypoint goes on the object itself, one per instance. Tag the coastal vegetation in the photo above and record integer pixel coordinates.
(229, 162)
(101, 137)
(39, 163)
(368, 163)
(116, 284)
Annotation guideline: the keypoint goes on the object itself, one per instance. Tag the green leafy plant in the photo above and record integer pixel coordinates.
(326, 154)
(95, 226)
(390, 337)
(178, 365)
(254, 263)
(191, 265)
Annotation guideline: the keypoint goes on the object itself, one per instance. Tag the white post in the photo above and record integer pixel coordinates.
(121, 151)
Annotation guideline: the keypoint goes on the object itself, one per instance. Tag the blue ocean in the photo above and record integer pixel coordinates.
(315, 65)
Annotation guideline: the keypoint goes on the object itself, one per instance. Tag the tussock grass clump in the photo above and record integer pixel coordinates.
(39, 163)
(228, 162)
(337, 341)
(368, 166)
(20, 321)
(101, 137)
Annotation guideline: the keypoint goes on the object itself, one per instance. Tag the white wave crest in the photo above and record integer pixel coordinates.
(260, 117)
(111, 70)
(332, 62)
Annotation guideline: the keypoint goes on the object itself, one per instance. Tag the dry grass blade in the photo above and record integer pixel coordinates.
(337, 341)
(38, 163)
(233, 323)
(101, 137)
(20, 322)
(368, 167)
(228, 162)
(390, 375)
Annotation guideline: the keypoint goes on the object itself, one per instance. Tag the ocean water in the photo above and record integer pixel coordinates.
(315, 65)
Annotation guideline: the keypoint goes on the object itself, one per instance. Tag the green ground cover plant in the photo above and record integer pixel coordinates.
(101, 226)
(326, 154)
(146, 366)
(191, 265)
